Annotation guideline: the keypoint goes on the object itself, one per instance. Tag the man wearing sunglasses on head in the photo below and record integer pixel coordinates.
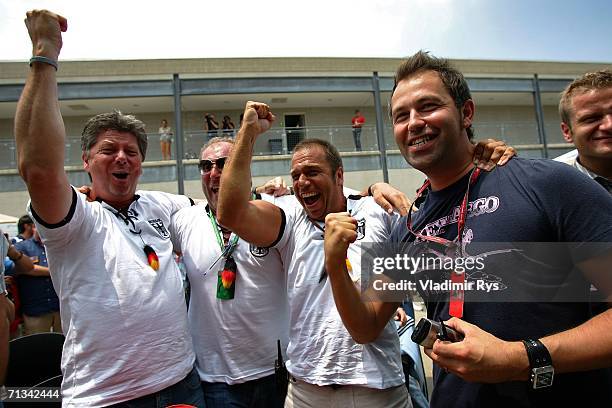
(121, 294)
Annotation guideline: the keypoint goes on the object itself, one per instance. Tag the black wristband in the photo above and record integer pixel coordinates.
(370, 190)
(44, 60)
(537, 353)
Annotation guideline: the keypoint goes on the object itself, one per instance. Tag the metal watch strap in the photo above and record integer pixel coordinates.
(537, 353)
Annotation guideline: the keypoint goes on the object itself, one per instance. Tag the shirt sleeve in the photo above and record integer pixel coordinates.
(77, 224)
(177, 228)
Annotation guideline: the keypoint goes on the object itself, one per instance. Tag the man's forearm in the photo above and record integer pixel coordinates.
(23, 263)
(235, 191)
(586, 347)
(39, 129)
(363, 320)
(37, 271)
(257, 222)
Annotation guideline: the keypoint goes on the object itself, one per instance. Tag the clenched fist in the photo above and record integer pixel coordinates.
(45, 29)
(340, 231)
(257, 118)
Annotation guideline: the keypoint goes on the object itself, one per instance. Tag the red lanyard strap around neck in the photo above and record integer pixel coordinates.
(456, 295)
(462, 213)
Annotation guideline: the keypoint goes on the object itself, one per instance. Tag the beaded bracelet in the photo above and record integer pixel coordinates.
(44, 60)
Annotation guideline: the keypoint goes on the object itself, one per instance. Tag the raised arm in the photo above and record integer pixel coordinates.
(257, 222)
(39, 129)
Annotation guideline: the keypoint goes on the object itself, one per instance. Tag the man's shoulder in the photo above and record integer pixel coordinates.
(367, 205)
(545, 171)
(374, 215)
(161, 198)
(153, 194)
(187, 214)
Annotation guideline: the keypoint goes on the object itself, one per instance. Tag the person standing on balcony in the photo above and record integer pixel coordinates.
(357, 122)
(228, 126)
(211, 126)
(165, 140)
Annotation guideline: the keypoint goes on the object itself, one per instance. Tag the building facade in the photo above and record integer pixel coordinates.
(516, 101)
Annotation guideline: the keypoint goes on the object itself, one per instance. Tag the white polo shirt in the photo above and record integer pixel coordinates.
(234, 339)
(125, 323)
(321, 351)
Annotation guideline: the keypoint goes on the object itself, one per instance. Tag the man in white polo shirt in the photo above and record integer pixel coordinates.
(328, 366)
(237, 313)
(121, 295)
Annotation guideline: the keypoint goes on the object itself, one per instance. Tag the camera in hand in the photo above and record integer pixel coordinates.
(427, 331)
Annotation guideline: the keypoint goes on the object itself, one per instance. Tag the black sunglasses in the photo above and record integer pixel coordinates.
(207, 165)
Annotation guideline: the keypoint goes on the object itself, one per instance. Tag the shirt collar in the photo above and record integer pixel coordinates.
(605, 183)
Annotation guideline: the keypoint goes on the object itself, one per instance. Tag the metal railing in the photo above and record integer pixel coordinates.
(276, 141)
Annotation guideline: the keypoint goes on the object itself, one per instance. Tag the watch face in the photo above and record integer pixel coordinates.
(543, 377)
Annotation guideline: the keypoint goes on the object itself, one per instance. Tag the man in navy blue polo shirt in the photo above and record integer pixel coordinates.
(39, 302)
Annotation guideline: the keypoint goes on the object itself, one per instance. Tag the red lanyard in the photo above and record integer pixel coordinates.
(454, 247)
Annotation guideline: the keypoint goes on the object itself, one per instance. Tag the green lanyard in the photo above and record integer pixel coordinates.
(226, 251)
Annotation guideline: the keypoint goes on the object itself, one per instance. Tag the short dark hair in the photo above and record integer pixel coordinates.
(591, 80)
(332, 156)
(114, 120)
(453, 80)
(22, 222)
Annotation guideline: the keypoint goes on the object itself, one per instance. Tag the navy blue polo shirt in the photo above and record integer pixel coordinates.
(36, 292)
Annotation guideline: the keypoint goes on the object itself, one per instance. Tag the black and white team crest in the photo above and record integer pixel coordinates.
(160, 228)
(258, 252)
(361, 229)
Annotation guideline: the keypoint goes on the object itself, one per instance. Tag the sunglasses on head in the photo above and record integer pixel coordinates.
(207, 165)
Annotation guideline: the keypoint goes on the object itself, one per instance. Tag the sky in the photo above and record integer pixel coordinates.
(539, 30)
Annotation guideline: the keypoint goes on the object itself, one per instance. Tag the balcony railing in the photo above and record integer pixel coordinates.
(522, 135)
